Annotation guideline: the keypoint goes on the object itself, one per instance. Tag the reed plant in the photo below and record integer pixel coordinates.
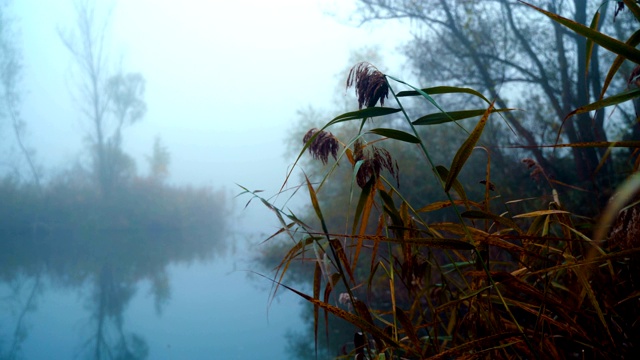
(494, 283)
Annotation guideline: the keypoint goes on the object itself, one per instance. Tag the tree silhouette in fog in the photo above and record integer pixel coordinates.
(109, 100)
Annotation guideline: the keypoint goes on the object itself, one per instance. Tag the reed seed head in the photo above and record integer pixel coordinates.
(323, 144)
(370, 84)
(373, 162)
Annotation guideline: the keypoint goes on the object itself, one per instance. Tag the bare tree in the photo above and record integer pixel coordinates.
(109, 101)
(10, 71)
(519, 57)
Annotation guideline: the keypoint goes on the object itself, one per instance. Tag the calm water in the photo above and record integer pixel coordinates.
(123, 296)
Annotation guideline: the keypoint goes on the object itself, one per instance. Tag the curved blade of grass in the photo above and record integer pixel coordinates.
(583, 277)
(395, 134)
(589, 45)
(612, 100)
(633, 7)
(480, 343)
(452, 244)
(506, 222)
(441, 118)
(540, 213)
(363, 209)
(317, 276)
(443, 172)
(591, 144)
(390, 208)
(465, 150)
(443, 90)
(607, 42)
(409, 329)
(445, 204)
(363, 114)
(362, 213)
(315, 203)
(623, 194)
(331, 283)
(419, 91)
(363, 311)
(349, 317)
(342, 256)
(633, 40)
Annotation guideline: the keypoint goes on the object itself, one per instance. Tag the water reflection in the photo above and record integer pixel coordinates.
(105, 270)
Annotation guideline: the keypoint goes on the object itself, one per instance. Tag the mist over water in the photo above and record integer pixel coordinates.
(160, 268)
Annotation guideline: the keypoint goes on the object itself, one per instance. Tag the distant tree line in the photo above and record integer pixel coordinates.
(107, 193)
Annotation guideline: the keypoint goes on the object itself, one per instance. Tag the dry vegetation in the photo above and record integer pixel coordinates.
(496, 283)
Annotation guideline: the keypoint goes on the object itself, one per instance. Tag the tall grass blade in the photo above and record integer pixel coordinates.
(409, 329)
(441, 118)
(363, 114)
(450, 244)
(443, 172)
(633, 40)
(443, 90)
(396, 134)
(347, 316)
(623, 194)
(342, 257)
(597, 37)
(589, 46)
(465, 150)
(317, 277)
(478, 214)
(540, 213)
(612, 100)
(362, 213)
(633, 7)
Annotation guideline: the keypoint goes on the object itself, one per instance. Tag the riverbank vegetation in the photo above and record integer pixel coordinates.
(428, 235)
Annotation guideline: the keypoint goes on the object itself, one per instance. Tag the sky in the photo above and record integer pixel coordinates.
(223, 79)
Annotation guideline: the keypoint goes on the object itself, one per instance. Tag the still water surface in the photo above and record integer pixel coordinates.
(165, 299)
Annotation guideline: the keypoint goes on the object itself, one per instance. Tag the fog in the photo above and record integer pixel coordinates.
(223, 79)
(223, 83)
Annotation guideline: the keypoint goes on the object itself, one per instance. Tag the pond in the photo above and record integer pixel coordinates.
(136, 296)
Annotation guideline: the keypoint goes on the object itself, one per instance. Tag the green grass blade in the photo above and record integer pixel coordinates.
(444, 90)
(465, 150)
(363, 114)
(607, 42)
(419, 91)
(443, 172)
(633, 40)
(441, 118)
(589, 46)
(612, 100)
(315, 203)
(396, 134)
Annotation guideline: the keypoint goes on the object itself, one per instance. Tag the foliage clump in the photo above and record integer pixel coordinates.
(491, 280)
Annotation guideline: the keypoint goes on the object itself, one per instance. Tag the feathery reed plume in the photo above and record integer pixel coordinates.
(323, 145)
(373, 161)
(370, 84)
(537, 172)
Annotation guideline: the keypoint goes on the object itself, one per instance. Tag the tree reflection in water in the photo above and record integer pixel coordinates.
(112, 264)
